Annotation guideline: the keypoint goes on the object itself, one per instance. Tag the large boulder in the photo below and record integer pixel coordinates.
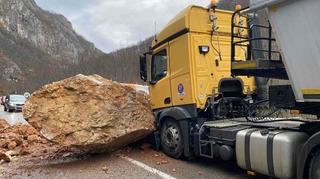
(90, 112)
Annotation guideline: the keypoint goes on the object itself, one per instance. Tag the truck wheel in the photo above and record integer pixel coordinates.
(171, 139)
(314, 167)
(5, 109)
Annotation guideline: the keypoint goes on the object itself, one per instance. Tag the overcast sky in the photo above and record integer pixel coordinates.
(114, 24)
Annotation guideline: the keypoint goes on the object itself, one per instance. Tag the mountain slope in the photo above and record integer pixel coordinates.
(121, 65)
(37, 47)
(50, 32)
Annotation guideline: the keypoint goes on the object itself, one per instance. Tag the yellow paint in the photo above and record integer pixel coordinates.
(198, 73)
(161, 90)
(252, 64)
(181, 71)
(311, 91)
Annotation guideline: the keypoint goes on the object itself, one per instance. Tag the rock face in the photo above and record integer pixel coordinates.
(38, 47)
(50, 32)
(90, 112)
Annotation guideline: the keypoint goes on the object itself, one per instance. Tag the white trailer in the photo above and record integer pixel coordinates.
(291, 148)
(296, 27)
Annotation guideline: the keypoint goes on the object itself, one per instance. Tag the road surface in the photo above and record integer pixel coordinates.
(132, 162)
(136, 163)
(12, 118)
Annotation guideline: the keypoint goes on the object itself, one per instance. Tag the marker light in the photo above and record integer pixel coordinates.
(213, 3)
(238, 7)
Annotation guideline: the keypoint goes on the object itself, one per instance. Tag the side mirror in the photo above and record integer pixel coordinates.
(143, 68)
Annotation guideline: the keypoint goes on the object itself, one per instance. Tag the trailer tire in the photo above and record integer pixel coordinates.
(171, 139)
(314, 165)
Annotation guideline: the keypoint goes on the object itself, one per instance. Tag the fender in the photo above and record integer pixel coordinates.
(303, 154)
(180, 114)
(177, 113)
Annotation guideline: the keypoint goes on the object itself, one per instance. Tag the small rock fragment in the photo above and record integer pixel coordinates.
(44, 141)
(4, 156)
(12, 153)
(174, 170)
(33, 138)
(164, 162)
(105, 169)
(3, 124)
(3, 143)
(12, 145)
(145, 146)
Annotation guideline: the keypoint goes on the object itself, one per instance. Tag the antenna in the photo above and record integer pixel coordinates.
(155, 30)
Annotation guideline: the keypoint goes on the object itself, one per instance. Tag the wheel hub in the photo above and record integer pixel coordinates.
(172, 137)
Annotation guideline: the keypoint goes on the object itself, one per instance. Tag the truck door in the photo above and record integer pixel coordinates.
(160, 80)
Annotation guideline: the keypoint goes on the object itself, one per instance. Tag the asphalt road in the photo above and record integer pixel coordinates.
(136, 164)
(12, 118)
(132, 162)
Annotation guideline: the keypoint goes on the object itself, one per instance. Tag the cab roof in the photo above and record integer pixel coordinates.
(193, 19)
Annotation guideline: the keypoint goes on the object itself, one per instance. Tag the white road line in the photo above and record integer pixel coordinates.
(148, 168)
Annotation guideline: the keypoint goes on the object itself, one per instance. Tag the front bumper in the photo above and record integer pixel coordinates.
(16, 108)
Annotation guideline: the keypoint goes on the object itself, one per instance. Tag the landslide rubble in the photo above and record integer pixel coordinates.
(23, 141)
(90, 113)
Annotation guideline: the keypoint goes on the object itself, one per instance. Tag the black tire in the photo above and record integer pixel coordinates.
(171, 139)
(10, 110)
(314, 166)
(5, 109)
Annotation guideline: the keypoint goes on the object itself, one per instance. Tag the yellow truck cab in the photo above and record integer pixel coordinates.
(190, 80)
(189, 59)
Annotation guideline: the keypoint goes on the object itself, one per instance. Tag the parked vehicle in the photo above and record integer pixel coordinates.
(14, 103)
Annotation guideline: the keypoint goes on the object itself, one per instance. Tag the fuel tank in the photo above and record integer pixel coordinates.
(269, 152)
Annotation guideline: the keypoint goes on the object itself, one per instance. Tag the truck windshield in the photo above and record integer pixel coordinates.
(159, 66)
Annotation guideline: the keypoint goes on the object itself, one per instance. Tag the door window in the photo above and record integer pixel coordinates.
(159, 66)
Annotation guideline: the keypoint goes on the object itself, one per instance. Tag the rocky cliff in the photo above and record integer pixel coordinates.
(37, 47)
(50, 32)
